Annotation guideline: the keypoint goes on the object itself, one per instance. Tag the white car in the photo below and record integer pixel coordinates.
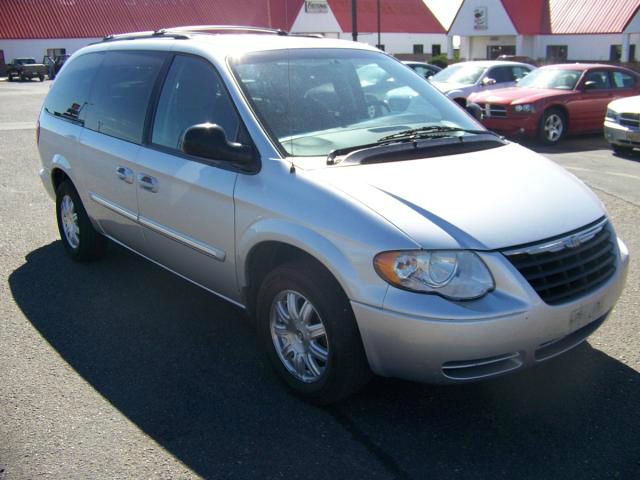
(622, 124)
(460, 80)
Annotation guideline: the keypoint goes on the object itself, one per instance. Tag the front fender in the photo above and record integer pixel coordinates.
(358, 280)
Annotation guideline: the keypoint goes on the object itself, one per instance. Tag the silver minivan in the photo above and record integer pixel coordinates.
(364, 221)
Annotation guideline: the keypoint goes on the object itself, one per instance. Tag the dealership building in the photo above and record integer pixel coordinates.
(551, 30)
(54, 27)
(545, 30)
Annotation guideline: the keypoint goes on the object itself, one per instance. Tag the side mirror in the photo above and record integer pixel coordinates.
(590, 84)
(486, 81)
(474, 110)
(208, 140)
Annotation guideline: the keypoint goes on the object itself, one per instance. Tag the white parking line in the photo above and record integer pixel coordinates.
(17, 126)
(615, 174)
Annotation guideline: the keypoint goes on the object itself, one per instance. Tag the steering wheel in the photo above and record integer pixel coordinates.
(377, 108)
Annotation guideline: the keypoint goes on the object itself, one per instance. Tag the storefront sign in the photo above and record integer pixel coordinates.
(316, 6)
(480, 20)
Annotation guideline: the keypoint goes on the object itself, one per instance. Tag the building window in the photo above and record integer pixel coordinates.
(557, 52)
(436, 49)
(615, 53)
(418, 49)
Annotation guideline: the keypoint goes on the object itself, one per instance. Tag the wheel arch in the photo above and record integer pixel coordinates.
(275, 242)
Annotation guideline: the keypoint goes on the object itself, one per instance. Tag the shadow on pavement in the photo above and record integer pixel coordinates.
(583, 143)
(186, 369)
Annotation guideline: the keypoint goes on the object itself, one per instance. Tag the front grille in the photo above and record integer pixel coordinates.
(493, 111)
(630, 120)
(559, 271)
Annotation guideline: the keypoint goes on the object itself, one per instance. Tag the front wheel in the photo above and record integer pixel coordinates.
(306, 323)
(41, 78)
(620, 150)
(553, 126)
(10, 78)
(81, 241)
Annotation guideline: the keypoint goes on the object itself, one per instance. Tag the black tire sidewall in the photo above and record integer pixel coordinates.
(547, 114)
(91, 244)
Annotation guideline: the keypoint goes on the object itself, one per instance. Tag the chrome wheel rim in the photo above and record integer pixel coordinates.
(553, 127)
(299, 336)
(69, 218)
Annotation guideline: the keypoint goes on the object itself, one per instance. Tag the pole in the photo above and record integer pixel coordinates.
(379, 41)
(354, 20)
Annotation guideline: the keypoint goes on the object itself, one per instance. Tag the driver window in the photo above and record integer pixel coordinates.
(192, 93)
(601, 78)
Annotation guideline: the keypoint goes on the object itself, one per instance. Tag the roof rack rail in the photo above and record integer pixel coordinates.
(222, 28)
(141, 35)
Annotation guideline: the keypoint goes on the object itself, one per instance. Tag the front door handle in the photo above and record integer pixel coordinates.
(124, 173)
(148, 182)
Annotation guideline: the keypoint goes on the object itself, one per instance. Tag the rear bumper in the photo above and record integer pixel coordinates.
(428, 339)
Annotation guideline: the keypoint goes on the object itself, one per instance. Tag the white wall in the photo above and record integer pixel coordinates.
(37, 48)
(316, 22)
(479, 45)
(402, 42)
(498, 21)
(583, 47)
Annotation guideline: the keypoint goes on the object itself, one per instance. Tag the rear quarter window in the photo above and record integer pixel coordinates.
(69, 95)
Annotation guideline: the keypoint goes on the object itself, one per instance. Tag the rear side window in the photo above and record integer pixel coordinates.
(121, 92)
(623, 80)
(600, 78)
(519, 72)
(69, 95)
(192, 93)
(501, 74)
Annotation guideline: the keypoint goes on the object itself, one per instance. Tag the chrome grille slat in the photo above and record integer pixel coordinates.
(563, 275)
(493, 111)
(630, 120)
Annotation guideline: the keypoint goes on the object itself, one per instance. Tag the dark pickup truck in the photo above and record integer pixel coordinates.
(26, 69)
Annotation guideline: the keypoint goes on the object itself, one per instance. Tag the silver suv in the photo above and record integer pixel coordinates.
(365, 221)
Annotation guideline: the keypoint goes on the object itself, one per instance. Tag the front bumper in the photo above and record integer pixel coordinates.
(617, 134)
(513, 126)
(428, 339)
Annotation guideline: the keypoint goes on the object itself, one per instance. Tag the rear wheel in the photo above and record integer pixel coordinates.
(81, 241)
(41, 77)
(307, 326)
(10, 78)
(553, 126)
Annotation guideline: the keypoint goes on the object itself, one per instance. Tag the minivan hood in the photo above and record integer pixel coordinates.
(485, 200)
(445, 87)
(518, 95)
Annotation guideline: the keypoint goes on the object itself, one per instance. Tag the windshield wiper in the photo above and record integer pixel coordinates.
(431, 131)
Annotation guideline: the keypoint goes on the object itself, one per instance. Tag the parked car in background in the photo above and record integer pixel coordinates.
(622, 124)
(556, 100)
(423, 69)
(25, 69)
(459, 80)
(404, 240)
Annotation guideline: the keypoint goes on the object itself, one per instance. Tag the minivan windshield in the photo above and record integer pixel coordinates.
(466, 74)
(315, 101)
(554, 78)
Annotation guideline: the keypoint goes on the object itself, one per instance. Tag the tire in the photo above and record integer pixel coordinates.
(327, 330)
(10, 78)
(553, 126)
(86, 244)
(620, 150)
(41, 78)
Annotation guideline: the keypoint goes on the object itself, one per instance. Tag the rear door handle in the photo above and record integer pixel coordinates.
(124, 173)
(148, 182)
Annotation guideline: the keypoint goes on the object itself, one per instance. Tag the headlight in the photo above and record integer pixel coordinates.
(524, 108)
(453, 274)
(611, 115)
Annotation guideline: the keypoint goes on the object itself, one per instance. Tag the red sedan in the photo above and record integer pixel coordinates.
(556, 100)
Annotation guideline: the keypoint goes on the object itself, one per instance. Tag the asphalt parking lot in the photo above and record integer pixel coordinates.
(119, 369)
